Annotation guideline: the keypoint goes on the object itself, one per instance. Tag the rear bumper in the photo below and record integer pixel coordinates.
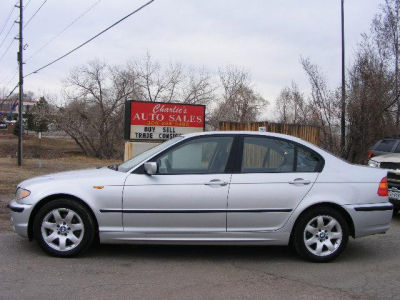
(370, 219)
(20, 217)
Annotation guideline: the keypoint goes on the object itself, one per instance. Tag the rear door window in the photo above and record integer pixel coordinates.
(272, 155)
(267, 155)
(307, 161)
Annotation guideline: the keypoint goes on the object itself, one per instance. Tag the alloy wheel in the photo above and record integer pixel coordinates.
(323, 235)
(62, 229)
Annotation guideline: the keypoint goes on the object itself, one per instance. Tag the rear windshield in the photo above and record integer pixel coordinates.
(385, 145)
(397, 150)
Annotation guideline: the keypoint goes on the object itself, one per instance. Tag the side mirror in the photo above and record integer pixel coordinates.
(150, 168)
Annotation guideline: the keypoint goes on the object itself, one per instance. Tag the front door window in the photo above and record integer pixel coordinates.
(199, 156)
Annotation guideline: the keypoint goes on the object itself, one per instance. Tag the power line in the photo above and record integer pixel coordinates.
(65, 29)
(8, 48)
(9, 16)
(13, 76)
(9, 95)
(7, 19)
(34, 14)
(2, 42)
(10, 78)
(26, 5)
(91, 39)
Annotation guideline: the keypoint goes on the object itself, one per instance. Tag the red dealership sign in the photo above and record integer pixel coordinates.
(162, 121)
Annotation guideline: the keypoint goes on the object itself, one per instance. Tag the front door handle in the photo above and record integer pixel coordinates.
(300, 181)
(214, 182)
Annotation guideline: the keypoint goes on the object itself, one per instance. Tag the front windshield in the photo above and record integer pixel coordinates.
(129, 164)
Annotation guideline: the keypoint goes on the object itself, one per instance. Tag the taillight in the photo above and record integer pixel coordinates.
(370, 154)
(383, 188)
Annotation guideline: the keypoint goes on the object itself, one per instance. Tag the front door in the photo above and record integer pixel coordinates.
(188, 193)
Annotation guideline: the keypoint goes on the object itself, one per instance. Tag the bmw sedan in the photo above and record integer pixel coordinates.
(230, 188)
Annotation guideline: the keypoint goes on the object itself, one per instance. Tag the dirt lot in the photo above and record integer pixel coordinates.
(56, 155)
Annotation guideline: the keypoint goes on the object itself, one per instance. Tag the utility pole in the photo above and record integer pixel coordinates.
(343, 116)
(21, 80)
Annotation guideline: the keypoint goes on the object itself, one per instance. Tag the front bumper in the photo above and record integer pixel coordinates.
(370, 219)
(395, 202)
(20, 217)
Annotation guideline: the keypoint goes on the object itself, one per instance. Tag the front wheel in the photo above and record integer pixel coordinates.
(64, 228)
(321, 234)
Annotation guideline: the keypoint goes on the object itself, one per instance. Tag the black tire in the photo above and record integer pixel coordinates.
(395, 211)
(81, 218)
(299, 234)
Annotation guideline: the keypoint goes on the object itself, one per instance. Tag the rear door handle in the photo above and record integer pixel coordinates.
(300, 181)
(215, 182)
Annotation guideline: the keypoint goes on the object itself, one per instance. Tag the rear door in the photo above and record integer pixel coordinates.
(274, 176)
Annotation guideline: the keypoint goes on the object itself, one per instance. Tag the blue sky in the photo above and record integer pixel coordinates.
(266, 38)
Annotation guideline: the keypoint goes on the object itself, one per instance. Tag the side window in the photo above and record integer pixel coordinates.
(267, 155)
(198, 156)
(307, 161)
(385, 145)
(397, 150)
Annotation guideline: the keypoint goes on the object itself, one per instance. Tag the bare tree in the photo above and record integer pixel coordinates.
(370, 104)
(324, 107)
(239, 101)
(291, 106)
(172, 84)
(92, 116)
(95, 95)
(386, 30)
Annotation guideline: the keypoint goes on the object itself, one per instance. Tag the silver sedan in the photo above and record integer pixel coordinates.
(241, 188)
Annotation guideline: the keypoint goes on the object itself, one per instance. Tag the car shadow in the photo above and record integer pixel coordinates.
(357, 250)
(193, 252)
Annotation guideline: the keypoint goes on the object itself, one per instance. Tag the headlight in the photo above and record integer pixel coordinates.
(374, 164)
(21, 194)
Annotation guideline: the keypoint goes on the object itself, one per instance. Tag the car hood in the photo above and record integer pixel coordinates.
(101, 176)
(391, 157)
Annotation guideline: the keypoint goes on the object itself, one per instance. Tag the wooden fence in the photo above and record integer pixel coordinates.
(305, 132)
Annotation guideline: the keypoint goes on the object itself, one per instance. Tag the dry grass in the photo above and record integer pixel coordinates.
(35, 148)
(11, 174)
(58, 155)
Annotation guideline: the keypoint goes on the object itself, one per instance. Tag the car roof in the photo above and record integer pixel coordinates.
(260, 133)
(236, 132)
(325, 154)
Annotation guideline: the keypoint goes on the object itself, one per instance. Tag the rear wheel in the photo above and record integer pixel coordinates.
(321, 234)
(64, 227)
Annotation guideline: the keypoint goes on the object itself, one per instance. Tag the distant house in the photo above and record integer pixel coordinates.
(11, 105)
